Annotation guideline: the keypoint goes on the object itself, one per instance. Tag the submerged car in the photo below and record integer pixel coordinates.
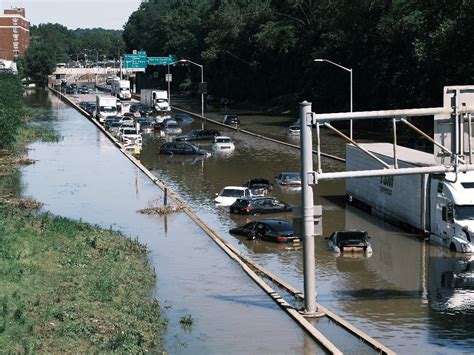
(289, 179)
(223, 144)
(146, 126)
(183, 118)
(294, 130)
(83, 89)
(171, 127)
(111, 119)
(352, 241)
(259, 187)
(272, 230)
(230, 194)
(259, 205)
(181, 148)
(231, 120)
(199, 134)
(145, 110)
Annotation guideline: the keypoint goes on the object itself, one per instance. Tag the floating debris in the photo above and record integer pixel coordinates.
(7, 160)
(161, 210)
(23, 203)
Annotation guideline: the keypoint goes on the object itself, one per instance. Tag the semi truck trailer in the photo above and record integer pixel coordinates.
(440, 205)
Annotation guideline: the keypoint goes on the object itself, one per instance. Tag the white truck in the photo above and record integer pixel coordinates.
(105, 106)
(158, 99)
(440, 205)
(121, 89)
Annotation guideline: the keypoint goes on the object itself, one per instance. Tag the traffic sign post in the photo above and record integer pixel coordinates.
(168, 78)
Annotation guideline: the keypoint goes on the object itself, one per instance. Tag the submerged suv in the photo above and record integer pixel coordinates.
(259, 205)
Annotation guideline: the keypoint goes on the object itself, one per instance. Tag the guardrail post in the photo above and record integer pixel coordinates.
(307, 208)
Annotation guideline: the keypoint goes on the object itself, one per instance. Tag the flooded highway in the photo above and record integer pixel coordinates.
(409, 295)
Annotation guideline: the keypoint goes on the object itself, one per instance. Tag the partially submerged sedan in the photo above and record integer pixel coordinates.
(181, 148)
(223, 144)
(230, 194)
(350, 241)
(259, 187)
(289, 179)
(259, 205)
(272, 230)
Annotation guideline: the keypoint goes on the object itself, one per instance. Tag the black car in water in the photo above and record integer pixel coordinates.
(272, 230)
(199, 134)
(259, 205)
(146, 110)
(181, 148)
(83, 89)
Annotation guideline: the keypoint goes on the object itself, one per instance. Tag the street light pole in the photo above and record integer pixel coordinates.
(202, 85)
(350, 72)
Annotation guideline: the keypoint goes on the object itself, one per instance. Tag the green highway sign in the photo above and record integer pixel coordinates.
(135, 61)
(161, 60)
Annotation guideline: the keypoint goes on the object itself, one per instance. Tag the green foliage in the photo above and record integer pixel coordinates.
(54, 43)
(402, 52)
(11, 108)
(68, 287)
(39, 62)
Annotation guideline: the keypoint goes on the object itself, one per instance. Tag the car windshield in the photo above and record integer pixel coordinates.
(108, 109)
(291, 176)
(464, 212)
(172, 125)
(129, 131)
(232, 193)
(351, 235)
(223, 140)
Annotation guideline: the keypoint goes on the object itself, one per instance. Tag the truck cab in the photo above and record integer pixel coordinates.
(105, 106)
(452, 212)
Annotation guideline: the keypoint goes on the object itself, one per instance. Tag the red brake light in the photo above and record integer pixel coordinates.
(281, 239)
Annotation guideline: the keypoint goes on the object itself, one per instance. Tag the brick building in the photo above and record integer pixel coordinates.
(14, 33)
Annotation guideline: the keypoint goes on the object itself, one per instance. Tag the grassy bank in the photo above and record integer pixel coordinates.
(70, 286)
(67, 286)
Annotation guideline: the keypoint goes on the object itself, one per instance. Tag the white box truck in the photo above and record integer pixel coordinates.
(158, 99)
(441, 205)
(105, 106)
(121, 89)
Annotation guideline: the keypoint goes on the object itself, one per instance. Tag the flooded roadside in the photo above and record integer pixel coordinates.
(85, 177)
(409, 295)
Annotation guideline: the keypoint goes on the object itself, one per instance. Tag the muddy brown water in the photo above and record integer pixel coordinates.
(409, 295)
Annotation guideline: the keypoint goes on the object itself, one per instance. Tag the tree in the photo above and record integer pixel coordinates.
(39, 63)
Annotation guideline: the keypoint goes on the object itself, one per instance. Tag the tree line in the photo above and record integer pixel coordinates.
(402, 52)
(55, 43)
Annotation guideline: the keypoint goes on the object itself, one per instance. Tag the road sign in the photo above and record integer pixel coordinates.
(135, 61)
(161, 60)
(168, 78)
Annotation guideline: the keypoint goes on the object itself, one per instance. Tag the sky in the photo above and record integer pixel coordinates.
(108, 14)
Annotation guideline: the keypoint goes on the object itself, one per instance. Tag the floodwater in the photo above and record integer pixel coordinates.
(409, 295)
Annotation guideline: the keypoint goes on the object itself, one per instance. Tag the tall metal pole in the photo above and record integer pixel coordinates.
(169, 94)
(350, 130)
(202, 97)
(307, 209)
